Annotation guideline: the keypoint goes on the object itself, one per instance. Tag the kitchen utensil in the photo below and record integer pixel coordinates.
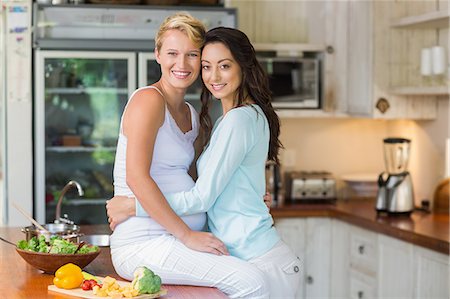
(31, 219)
(79, 246)
(395, 192)
(441, 197)
(70, 232)
(50, 262)
(9, 242)
(78, 292)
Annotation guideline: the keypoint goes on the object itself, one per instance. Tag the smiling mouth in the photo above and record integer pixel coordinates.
(180, 74)
(217, 87)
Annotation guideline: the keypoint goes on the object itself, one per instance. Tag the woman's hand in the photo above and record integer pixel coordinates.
(205, 242)
(268, 200)
(119, 209)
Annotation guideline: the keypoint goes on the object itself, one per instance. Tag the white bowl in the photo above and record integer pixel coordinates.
(362, 185)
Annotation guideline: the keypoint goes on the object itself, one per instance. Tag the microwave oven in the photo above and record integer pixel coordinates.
(295, 82)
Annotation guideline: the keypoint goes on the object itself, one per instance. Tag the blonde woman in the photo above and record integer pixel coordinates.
(154, 152)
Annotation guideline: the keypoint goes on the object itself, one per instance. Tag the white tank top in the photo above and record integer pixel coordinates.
(172, 155)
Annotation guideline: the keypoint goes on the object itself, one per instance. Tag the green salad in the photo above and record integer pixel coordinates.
(56, 245)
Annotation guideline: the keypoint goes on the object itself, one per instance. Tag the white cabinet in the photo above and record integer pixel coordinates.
(376, 57)
(340, 259)
(317, 257)
(361, 286)
(431, 274)
(345, 261)
(363, 263)
(395, 268)
(359, 80)
(379, 266)
(293, 232)
(310, 239)
(363, 251)
(437, 23)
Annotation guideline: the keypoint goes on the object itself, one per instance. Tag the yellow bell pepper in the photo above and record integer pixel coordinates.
(68, 277)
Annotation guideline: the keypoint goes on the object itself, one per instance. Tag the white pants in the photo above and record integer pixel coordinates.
(283, 270)
(177, 264)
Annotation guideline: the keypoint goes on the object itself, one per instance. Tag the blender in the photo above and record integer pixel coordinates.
(395, 192)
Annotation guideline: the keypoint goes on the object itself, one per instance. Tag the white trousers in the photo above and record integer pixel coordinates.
(177, 264)
(283, 270)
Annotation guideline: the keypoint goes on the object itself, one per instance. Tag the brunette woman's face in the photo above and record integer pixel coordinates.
(179, 59)
(221, 73)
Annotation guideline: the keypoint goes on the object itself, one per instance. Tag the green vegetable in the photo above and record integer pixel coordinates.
(87, 249)
(33, 244)
(56, 245)
(88, 276)
(22, 244)
(63, 246)
(42, 246)
(145, 281)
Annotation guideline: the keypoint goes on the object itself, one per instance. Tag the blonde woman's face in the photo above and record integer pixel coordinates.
(179, 59)
(221, 73)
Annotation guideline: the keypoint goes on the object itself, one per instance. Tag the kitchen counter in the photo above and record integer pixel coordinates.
(19, 280)
(429, 230)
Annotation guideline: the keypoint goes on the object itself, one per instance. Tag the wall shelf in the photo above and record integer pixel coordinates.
(421, 90)
(431, 20)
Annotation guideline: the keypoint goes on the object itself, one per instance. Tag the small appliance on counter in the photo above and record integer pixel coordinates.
(310, 186)
(395, 192)
(274, 184)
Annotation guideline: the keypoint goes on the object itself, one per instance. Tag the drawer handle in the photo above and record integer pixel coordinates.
(309, 279)
(360, 294)
(361, 249)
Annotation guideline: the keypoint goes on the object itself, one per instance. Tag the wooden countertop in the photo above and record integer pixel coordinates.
(19, 280)
(421, 228)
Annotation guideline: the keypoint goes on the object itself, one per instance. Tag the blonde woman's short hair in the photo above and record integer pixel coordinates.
(192, 27)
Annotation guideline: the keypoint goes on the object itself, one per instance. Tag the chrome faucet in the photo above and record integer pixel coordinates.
(63, 192)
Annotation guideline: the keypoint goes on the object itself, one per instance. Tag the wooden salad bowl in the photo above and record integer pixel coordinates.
(50, 262)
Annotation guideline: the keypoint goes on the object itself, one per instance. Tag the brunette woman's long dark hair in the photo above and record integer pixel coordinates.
(255, 84)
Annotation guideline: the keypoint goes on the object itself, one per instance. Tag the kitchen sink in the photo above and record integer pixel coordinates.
(99, 240)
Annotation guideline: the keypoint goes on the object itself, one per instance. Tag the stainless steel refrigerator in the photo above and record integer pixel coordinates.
(81, 87)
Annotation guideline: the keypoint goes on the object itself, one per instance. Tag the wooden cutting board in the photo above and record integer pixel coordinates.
(78, 292)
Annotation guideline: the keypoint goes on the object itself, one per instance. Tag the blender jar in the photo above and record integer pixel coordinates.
(396, 155)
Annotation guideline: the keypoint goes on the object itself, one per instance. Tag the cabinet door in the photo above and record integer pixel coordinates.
(340, 259)
(360, 60)
(432, 274)
(317, 257)
(292, 232)
(395, 268)
(363, 251)
(361, 286)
